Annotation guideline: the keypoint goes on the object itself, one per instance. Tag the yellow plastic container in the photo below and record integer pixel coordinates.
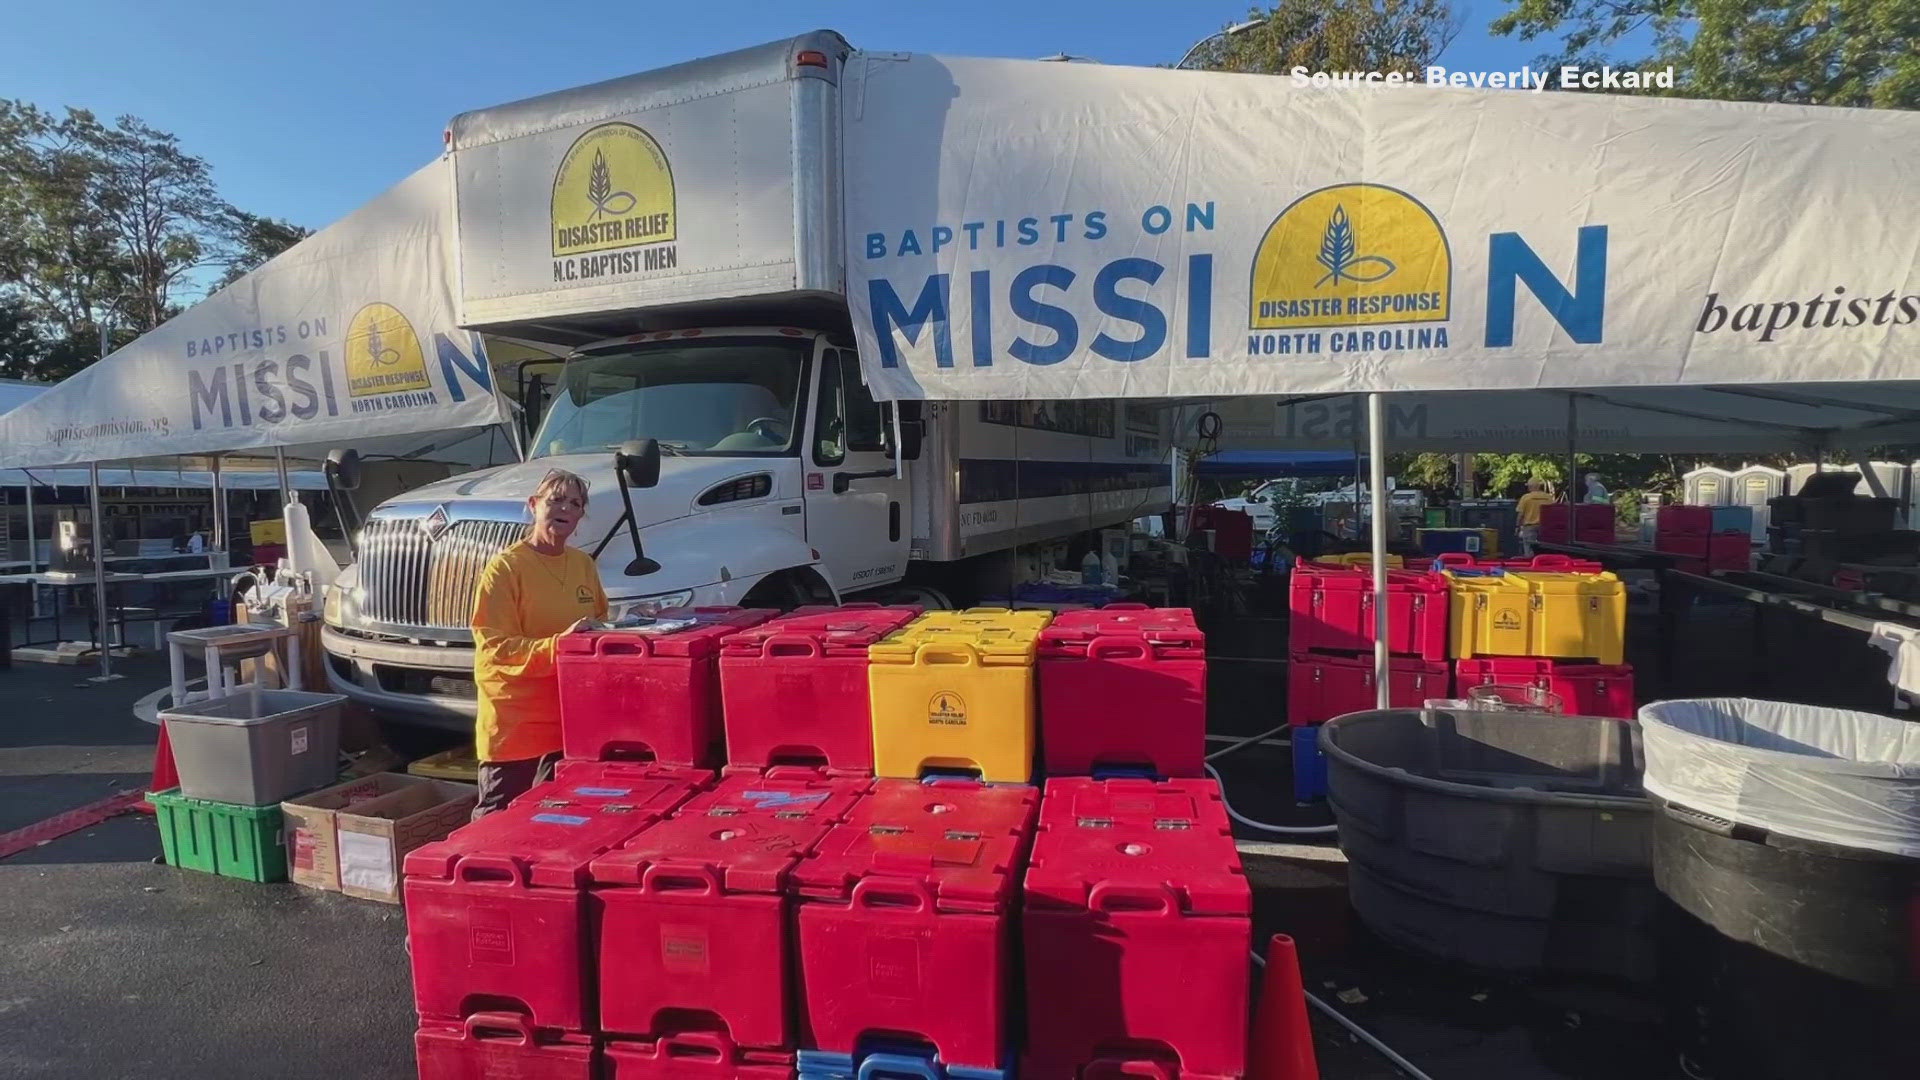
(954, 690)
(1360, 558)
(455, 764)
(1569, 616)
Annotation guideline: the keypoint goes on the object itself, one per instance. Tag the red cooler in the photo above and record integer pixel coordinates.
(1332, 608)
(1136, 932)
(626, 694)
(492, 1045)
(1123, 685)
(796, 688)
(496, 917)
(1730, 551)
(696, 1055)
(1593, 524)
(906, 925)
(1321, 687)
(691, 922)
(1583, 689)
(1683, 521)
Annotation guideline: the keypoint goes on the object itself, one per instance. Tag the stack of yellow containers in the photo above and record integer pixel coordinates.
(954, 690)
(1534, 613)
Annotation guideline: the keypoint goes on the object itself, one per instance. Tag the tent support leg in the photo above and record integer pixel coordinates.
(103, 634)
(1357, 437)
(1377, 474)
(1573, 471)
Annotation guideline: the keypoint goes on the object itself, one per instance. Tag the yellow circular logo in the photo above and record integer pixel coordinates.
(383, 353)
(948, 709)
(614, 189)
(1351, 255)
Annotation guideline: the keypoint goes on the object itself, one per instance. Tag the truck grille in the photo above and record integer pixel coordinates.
(411, 580)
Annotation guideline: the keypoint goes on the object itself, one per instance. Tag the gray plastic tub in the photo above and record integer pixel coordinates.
(1511, 842)
(255, 747)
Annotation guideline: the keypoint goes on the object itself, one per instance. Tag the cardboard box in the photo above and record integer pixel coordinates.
(313, 852)
(375, 835)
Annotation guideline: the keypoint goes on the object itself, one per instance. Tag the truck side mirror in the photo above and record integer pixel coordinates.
(343, 468)
(638, 462)
(913, 429)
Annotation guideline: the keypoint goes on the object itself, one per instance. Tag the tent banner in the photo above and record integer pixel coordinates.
(1029, 230)
(347, 336)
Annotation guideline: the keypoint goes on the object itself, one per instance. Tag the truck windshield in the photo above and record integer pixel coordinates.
(709, 397)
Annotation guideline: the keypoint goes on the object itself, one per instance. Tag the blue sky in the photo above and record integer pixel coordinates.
(308, 110)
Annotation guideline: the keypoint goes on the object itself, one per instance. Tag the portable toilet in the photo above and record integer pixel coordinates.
(1707, 486)
(1892, 477)
(1797, 475)
(1752, 487)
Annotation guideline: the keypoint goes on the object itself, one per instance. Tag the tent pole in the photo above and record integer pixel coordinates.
(1377, 473)
(1573, 471)
(280, 464)
(1357, 436)
(33, 544)
(102, 634)
(218, 546)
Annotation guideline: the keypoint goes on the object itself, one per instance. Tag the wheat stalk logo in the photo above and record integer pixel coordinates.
(1338, 249)
(376, 346)
(600, 191)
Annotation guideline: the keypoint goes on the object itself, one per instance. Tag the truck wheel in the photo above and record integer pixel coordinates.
(788, 589)
(924, 595)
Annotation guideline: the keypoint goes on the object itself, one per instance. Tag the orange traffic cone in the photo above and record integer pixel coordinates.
(1282, 1045)
(165, 775)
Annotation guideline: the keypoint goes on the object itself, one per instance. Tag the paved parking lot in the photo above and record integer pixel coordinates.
(114, 966)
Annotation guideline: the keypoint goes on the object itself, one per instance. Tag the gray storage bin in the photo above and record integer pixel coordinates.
(255, 747)
(1508, 841)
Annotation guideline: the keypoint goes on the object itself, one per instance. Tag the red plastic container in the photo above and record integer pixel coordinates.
(491, 1045)
(1123, 685)
(1232, 530)
(1332, 608)
(1136, 930)
(611, 779)
(691, 927)
(1593, 523)
(1583, 689)
(1321, 687)
(1683, 521)
(643, 697)
(1730, 551)
(496, 918)
(795, 689)
(696, 1055)
(905, 919)
(1695, 547)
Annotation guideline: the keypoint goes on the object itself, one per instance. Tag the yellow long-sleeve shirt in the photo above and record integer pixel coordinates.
(524, 601)
(1529, 506)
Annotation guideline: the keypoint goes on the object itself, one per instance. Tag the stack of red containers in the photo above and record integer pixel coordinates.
(693, 934)
(1577, 523)
(906, 926)
(497, 924)
(1232, 530)
(795, 689)
(1330, 638)
(635, 696)
(1136, 931)
(1689, 531)
(1123, 685)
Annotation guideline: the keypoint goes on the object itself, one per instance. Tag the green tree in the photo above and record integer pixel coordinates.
(254, 240)
(1335, 35)
(1862, 53)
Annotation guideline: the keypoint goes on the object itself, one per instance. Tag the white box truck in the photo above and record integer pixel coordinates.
(680, 232)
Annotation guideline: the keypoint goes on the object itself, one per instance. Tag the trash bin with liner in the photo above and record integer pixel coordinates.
(1787, 854)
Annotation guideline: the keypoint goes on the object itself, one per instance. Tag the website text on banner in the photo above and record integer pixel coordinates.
(347, 336)
(1031, 230)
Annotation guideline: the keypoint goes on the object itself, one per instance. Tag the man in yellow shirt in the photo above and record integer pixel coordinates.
(1528, 509)
(529, 595)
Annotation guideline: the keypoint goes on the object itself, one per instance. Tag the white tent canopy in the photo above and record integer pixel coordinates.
(347, 337)
(1039, 231)
(237, 480)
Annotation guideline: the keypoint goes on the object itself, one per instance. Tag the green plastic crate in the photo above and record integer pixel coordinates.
(244, 842)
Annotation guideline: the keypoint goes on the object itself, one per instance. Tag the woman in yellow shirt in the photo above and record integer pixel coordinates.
(529, 595)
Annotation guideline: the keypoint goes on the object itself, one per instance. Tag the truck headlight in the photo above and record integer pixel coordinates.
(341, 605)
(649, 606)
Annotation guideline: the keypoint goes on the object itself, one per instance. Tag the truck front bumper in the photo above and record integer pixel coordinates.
(430, 684)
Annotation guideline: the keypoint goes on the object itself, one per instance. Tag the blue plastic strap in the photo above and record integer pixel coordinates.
(1125, 772)
(898, 1067)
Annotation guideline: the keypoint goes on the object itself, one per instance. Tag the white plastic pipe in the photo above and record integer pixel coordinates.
(1284, 830)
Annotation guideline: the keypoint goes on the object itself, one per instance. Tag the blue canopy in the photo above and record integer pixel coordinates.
(1267, 464)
